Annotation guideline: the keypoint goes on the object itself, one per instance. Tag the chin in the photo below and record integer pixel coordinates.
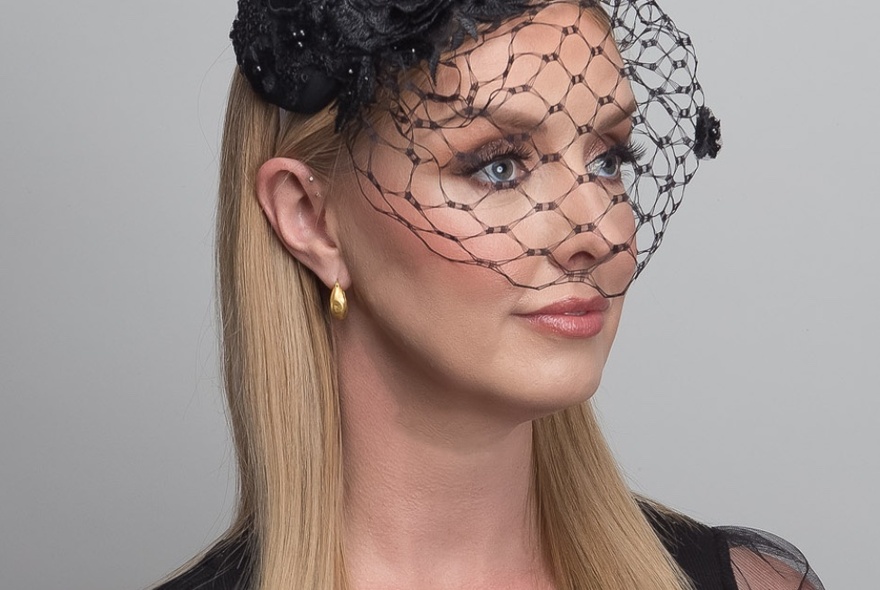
(551, 396)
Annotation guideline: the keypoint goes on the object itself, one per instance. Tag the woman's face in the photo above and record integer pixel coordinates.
(484, 224)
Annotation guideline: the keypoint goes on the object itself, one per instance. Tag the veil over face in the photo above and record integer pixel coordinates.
(514, 154)
(588, 128)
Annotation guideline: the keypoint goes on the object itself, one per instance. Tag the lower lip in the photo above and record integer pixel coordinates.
(568, 326)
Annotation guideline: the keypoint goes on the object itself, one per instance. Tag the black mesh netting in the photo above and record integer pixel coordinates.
(548, 141)
(568, 133)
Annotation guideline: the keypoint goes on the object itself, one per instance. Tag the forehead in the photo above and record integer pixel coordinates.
(559, 58)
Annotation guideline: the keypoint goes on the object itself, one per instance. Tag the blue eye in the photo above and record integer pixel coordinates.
(498, 165)
(606, 166)
(501, 171)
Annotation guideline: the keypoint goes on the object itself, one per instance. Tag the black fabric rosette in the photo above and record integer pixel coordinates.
(302, 55)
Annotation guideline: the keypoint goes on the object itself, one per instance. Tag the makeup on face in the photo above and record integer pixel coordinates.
(496, 172)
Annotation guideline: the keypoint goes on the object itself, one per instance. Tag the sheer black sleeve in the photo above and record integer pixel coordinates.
(763, 561)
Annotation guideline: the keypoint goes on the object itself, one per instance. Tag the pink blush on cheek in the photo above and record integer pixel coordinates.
(431, 261)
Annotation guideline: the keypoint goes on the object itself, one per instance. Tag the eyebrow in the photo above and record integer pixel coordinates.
(617, 116)
(518, 121)
(508, 120)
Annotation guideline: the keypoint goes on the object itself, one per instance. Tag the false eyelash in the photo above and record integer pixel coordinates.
(491, 152)
(629, 152)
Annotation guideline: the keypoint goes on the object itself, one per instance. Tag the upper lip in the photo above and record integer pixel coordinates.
(573, 305)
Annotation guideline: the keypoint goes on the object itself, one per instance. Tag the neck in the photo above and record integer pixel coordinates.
(437, 494)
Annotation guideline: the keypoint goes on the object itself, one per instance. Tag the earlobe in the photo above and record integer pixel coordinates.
(289, 194)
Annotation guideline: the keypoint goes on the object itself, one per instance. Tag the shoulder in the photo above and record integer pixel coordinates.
(761, 560)
(731, 557)
(700, 550)
(225, 566)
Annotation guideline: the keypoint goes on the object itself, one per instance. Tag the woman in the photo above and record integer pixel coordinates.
(430, 213)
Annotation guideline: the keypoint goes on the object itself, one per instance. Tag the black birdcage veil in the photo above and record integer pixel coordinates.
(550, 146)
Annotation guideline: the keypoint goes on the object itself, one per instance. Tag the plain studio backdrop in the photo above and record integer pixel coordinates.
(743, 387)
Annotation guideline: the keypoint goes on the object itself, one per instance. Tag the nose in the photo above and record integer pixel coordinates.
(601, 226)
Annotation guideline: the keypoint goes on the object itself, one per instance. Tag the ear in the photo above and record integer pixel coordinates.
(290, 195)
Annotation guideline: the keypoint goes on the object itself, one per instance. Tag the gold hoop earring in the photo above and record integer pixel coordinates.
(338, 303)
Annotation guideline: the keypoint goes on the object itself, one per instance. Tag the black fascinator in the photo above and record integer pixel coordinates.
(303, 54)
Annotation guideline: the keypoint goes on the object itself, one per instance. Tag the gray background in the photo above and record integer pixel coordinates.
(743, 388)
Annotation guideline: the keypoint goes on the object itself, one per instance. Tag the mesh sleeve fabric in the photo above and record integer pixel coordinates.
(763, 561)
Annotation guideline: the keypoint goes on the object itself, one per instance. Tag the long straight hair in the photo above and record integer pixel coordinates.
(282, 392)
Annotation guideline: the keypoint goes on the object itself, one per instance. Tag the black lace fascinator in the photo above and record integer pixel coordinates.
(302, 55)
(596, 61)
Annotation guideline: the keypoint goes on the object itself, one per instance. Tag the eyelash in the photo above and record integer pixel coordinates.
(626, 153)
(629, 153)
(498, 152)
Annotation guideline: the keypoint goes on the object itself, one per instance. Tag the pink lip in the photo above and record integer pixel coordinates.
(571, 318)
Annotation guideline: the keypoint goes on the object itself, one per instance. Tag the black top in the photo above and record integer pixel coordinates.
(715, 558)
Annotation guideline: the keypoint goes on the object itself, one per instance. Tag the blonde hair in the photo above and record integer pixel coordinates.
(283, 401)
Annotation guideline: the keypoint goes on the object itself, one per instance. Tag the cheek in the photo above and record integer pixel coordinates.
(433, 317)
(426, 212)
(400, 256)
